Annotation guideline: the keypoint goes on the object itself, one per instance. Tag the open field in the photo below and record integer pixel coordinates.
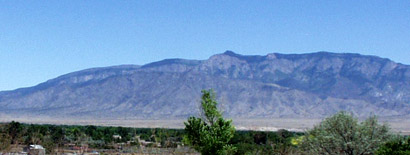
(401, 126)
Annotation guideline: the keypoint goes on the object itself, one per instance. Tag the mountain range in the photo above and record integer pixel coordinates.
(312, 85)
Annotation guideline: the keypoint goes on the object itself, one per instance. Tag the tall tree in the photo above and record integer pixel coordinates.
(15, 129)
(211, 133)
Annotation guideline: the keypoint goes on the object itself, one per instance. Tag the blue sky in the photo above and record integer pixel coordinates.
(42, 40)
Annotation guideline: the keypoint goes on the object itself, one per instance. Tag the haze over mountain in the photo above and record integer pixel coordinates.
(311, 85)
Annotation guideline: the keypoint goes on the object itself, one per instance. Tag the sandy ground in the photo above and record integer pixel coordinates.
(401, 126)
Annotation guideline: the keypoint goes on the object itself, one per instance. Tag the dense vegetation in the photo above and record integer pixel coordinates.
(99, 137)
(55, 137)
(397, 146)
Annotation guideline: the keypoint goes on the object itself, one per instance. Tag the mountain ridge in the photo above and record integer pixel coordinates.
(274, 85)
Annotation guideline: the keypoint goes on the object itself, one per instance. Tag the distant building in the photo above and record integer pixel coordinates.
(116, 136)
(35, 150)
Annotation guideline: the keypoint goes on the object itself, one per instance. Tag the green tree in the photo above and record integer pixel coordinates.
(397, 146)
(212, 133)
(15, 130)
(48, 144)
(91, 131)
(57, 136)
(343, 134)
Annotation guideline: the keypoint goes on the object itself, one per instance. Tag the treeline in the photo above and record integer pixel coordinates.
(54, 137)
(265, 142)
(100, 137)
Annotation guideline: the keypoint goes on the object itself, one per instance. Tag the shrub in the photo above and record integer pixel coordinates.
(343, 134)
(397, 146)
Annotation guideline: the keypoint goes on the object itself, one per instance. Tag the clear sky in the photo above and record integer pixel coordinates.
(40, 40)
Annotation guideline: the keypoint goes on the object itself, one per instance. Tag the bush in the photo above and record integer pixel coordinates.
(397, 146)
(343, 134)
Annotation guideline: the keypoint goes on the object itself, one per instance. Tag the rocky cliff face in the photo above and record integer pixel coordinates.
(276, 85)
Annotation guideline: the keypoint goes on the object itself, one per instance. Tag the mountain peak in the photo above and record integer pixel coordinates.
(230, 53)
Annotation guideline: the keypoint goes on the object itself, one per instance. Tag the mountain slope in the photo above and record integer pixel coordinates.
(276, 85)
